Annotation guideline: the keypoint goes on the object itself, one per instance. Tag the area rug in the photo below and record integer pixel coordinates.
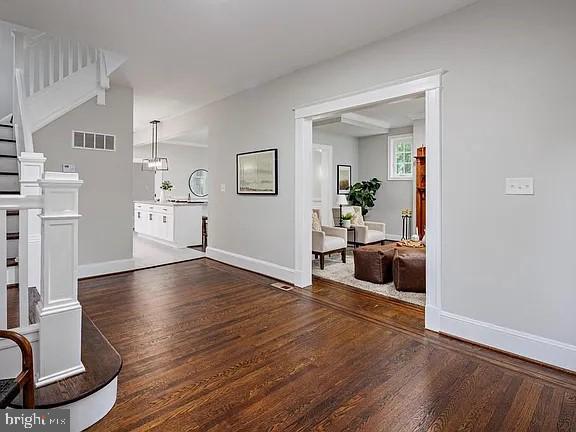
(336, 270)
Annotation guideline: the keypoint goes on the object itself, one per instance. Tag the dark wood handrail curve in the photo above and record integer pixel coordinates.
(25, 378)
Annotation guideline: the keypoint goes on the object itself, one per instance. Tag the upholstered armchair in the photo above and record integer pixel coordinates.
(327, 241)
(369, 233)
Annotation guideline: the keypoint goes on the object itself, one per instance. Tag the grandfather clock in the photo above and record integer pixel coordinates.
(421, 191)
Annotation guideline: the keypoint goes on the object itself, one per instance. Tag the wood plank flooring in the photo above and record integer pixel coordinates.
(207, 347)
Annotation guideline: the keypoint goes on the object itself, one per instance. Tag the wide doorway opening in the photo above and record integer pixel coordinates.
(368, 209)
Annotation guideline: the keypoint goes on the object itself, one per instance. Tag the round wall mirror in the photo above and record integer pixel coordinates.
(197, 183)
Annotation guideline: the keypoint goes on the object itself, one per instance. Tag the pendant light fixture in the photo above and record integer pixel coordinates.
(155, 163)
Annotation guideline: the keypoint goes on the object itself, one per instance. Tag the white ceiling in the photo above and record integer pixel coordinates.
(183, 54)
(395, 114)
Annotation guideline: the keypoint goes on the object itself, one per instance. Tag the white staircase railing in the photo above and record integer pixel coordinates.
(49, 59)
(52, 319)
(52, 76)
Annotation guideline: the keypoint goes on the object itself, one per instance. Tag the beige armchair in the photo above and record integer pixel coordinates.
(369, 233)
(328, 241)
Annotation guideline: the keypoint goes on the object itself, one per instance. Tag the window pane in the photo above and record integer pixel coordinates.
(109, 142)
(100, 142)
(89, 140)
(78, 139)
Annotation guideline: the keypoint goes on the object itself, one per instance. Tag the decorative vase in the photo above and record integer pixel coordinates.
(346, 223)
(162, 196)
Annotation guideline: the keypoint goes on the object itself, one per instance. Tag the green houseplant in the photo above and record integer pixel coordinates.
(347, 220)
(363, 194)
(166, 186)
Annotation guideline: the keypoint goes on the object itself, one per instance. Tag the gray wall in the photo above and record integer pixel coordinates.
(508, 99)
(5, 68)
(182, 161)
(106, 195)
(344, 152)
(393, 195)
(142, 183)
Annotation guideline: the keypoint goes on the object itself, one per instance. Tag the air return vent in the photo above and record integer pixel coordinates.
(93, 141)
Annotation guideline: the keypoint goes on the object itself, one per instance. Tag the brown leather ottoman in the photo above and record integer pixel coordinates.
(409, 269)
(373, 263)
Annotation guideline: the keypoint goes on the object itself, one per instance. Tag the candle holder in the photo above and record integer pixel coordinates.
(406, 224)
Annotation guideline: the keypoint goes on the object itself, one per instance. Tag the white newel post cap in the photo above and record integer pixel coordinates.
(60, 194)
(31, 157)
(31, 168)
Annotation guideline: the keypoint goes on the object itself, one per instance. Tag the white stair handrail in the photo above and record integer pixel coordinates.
(22, 132)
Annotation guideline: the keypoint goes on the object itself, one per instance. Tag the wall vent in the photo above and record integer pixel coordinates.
(93, 141)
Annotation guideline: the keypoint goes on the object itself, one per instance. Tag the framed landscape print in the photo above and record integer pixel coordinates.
(344, 179)
(257, 173)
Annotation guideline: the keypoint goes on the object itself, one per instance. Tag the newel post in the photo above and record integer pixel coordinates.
(31, 171)
(60, 311)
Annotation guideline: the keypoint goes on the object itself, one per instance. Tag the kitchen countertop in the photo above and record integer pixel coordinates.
(173, 204)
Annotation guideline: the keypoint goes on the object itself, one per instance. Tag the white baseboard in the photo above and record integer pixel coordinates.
(89, 410)
(264, 267)
(106, 267)
(394, 237)
(432, 318)
(58, 376)
(538, 348)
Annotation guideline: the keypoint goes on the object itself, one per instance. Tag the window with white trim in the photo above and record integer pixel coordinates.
(400, 157)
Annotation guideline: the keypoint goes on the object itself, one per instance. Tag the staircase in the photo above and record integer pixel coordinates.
(52, 76)
(9, 185)
(39, 221)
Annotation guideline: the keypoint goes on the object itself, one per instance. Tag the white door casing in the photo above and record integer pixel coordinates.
(430, 84)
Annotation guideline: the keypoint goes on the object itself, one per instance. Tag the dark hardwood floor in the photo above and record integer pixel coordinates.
(207, 347)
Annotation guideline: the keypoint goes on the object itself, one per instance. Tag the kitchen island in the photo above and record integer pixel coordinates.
(177, 224)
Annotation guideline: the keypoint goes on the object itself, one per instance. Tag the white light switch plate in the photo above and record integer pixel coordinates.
(222, 187)
(520, 186)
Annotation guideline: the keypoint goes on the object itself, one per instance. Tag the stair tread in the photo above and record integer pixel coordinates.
(8, 173)
(11, 262)
(8, 156)
(12, 213)
(102, 362)
(16, 192)
(8, 140)
(12, 236)
(6, 125)
(9, 389)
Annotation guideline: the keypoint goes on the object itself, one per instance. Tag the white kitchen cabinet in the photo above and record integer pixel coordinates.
(175, 224)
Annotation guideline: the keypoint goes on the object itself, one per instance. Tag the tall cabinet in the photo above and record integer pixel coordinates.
(421, 190)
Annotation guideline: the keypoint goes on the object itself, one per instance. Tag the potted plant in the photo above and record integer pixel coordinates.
(166, 186)
(347, 220)
(363, 194)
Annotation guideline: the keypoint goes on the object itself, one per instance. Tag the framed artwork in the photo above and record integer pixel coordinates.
(197, 183)
(344, 179)
(257, 173)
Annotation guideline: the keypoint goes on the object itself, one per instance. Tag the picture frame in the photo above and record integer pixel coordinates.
(343, 179)
(257, 172)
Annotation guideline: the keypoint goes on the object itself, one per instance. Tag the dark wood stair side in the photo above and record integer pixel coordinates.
(102, 363)
(7, 125)
(11, 140)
